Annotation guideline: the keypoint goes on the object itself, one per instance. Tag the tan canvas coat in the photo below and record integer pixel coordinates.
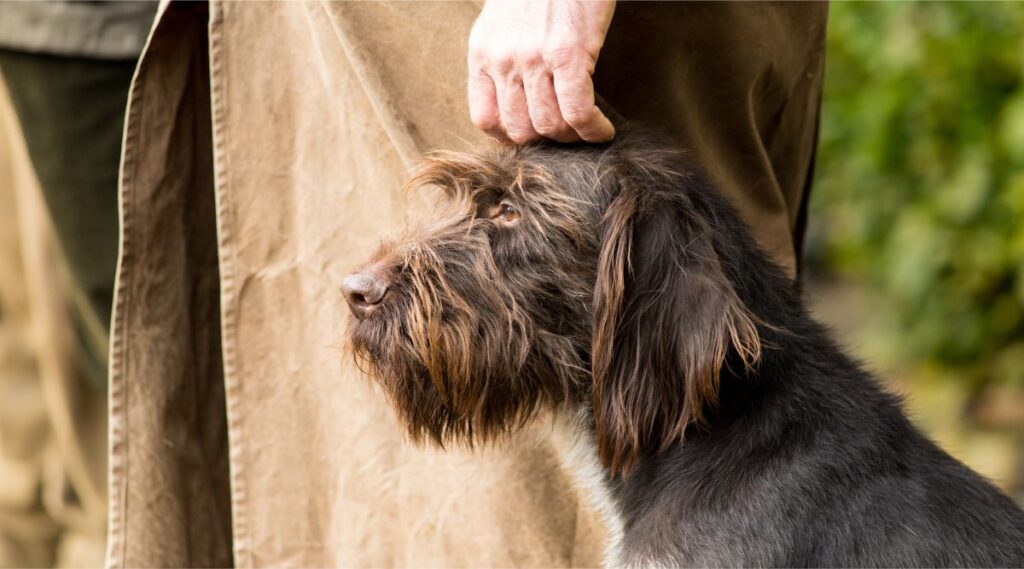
(264, 150)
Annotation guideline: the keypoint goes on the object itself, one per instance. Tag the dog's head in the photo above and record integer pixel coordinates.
(554, 276)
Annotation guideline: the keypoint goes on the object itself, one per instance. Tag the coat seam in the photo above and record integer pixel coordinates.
(117, 429)
(228, 301)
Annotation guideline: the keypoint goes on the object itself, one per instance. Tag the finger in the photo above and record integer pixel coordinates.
(575, 91)
(545, 116)
(483, 104)
(515, 119)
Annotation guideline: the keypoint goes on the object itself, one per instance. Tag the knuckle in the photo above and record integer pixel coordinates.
(530, 56)
(477, 58)
(546, 126)
(578, 116)
(484, 122)
(519, 134)
(501, 64)
(564, 56)
(489, 55)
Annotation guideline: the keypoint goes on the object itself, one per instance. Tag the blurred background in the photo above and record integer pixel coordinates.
(916, 244)
(915, 257)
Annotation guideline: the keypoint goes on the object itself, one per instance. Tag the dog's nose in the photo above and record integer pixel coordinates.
(363, 292)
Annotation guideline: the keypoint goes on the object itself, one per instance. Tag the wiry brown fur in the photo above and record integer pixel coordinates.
(662, 326)
(484, 323)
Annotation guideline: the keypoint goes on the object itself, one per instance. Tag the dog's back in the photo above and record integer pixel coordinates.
(824, 471)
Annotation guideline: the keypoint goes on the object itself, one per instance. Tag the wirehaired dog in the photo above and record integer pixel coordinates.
(713, 418)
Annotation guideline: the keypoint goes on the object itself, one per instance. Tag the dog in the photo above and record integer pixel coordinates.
(712, 419)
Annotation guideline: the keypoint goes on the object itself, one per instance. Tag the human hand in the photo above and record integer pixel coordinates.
(530, 66)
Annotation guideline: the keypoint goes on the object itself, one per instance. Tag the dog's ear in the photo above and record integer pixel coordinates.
(665, 318)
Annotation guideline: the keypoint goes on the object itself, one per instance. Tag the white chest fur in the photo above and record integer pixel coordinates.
(576, 443)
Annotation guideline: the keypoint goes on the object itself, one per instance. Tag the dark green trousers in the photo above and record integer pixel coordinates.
(71, 111)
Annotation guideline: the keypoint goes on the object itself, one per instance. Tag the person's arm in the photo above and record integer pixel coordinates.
(530, 63)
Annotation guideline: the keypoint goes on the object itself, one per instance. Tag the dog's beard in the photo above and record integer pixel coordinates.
(451, 386)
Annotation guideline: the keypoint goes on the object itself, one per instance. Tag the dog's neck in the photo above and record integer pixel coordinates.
(663, 481)
(753, 413)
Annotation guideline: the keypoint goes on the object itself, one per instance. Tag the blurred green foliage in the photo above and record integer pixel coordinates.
(920, 176)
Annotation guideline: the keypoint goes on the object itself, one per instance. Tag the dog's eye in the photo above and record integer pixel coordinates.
(506, 213)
